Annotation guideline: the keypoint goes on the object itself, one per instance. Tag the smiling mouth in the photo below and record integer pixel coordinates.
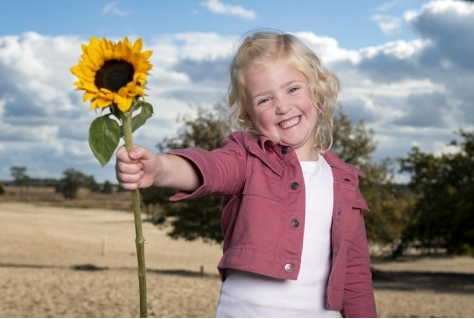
(289, 123)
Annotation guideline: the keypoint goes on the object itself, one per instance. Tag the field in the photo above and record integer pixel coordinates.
(80, 262)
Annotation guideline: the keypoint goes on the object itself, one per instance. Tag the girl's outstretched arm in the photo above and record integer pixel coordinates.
(142, 168)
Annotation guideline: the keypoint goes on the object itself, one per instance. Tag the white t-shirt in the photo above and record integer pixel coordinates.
(245, 294)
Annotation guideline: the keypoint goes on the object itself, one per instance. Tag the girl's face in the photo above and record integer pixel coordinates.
(279, 106)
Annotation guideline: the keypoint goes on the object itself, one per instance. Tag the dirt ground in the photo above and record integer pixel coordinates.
(66, 262)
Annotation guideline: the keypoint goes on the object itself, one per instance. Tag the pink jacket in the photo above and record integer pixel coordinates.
(264, 212)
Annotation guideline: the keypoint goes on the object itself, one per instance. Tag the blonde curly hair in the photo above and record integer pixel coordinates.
(323, 87)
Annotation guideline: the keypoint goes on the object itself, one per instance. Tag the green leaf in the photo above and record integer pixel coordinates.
(104, 136)
(145, 113)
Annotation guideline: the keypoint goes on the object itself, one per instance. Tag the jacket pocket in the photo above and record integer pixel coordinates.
(351, 204)
(263, 182)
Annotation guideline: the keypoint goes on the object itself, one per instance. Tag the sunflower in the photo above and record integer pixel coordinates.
(112, 73)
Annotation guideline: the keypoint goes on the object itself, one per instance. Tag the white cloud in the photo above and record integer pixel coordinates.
(400, 89)
(445, 148)
(399, 49)
(414, 92)
(24, 133)
(221, 8)
(417, 91)
(199, 46)
(442, 8)
(388, 24)
(387, 5)
(112, 7)
(327, 48)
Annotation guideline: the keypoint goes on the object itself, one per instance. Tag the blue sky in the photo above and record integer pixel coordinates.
(352, 23)
(405, 67)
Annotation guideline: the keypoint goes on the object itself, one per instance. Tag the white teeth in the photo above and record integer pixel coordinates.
(290, 122)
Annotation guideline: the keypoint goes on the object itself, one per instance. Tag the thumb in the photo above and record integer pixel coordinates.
(139, 152)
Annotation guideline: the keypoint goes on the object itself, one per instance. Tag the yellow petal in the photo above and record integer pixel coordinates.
(146, 55)
(78, 84)
(139, 79)
(76, 69)
(138, 45)
(104, 44)
(95, 55)
(103, 102)
(108, 54)
(123, 103)
(94, 104)
(107, 94)
(126, 42)
(89, 96)
(94, 43)
(129, 51)
(139, 91)
(86, 70)
(90, 87)
(89, 62)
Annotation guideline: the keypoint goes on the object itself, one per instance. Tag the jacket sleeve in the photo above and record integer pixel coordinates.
(358, 292)
(222, 171)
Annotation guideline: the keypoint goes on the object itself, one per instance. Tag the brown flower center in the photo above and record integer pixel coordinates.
(113, 75)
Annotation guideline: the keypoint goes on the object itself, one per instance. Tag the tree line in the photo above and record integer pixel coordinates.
(68, 185)
(434, 210)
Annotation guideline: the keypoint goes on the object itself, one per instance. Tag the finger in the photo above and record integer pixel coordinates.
(123, 155)
(129, 186)
(141, 153)
(129, 178)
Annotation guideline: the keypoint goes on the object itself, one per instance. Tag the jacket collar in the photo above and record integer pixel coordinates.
(262, 140)
(332, 159)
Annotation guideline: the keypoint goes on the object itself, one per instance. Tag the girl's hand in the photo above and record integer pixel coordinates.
(137, 169)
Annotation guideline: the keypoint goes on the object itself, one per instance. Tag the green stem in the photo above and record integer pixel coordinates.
(139, 240)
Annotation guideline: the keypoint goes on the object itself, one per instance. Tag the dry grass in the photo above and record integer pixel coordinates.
(85, 198)
(71, 262)
(68, 262)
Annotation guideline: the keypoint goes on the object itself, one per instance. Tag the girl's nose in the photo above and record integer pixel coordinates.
(283, 107)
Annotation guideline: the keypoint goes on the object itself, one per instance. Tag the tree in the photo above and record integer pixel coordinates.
(107, 187)
(18, 174)
(155, 199)
(72, 181)
(20, 178)
(200, 217)
(444, 185)
(205, 131)
(69, 184)
(387, 201)
(354, 144)
(90, 183)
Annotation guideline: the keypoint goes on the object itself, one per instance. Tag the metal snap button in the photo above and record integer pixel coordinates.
(295, 186)
(295, 223)
(288, 267)
(284, 150)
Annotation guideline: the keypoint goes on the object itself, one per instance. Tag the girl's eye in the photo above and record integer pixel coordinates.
(262, 101)
(293, 89)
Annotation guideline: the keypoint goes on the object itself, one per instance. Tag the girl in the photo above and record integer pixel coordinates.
(294, 235)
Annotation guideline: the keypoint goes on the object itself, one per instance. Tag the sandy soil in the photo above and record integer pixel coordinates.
(65, 262)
